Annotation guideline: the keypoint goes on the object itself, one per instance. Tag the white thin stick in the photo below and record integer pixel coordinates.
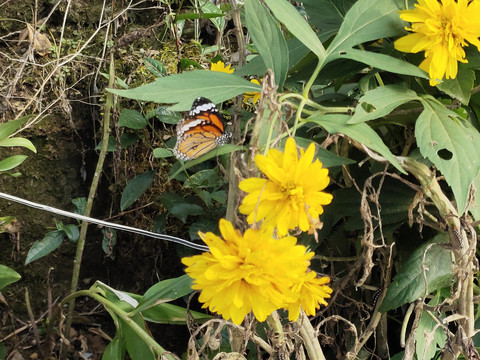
(104, 223)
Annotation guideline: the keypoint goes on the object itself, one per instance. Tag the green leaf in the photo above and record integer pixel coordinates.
(381, 101)
(135, 188)
(219, 150)
(18, 141)
(132, 119)
(49, 243)
(366, 21)
(379, 61)
(208, 8)
(9, 127)
(452, 145)
(71, 231)
(326, 15)
(136, 347)
(11, 162)
(172, 314)
(117, 348)
(161, 153)
(433, 265)
(268, 39)
(166, 116)
(461, 87)
(7, 276)
(80, 205)
(165, 291)
(429, 337)
(182, 211)
(296, 24)
(205, 179)
(362, 133)
(126, 139)
(186, 87)
(109, 241)
(327, 158)
(155, 67)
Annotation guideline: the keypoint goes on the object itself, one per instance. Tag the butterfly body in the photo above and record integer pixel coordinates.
(201, 131)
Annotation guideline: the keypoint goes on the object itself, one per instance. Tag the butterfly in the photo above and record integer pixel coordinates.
(201, 131)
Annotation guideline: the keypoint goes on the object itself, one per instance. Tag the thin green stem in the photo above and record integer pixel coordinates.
(305, 92)
(93, 189)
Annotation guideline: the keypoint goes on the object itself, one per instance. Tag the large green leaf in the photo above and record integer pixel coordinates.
(379, 61)
(362, 133)
(11, 162)
(296, 24)
(268, 39)
(380, 102)
(182, 89)
(426, 271)
(366, 21)
(452, 145)
(135, 188)
(49, 243)
(461, 87)
(327, 15)
(165, 291)
(7, 276)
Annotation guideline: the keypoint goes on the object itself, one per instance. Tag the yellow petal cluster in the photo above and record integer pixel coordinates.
(308, 294)
(251, 272)
(292, 195)
(442, 30)
(255, 96)
(220, 66)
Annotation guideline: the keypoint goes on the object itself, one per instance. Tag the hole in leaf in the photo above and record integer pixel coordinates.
(445, 154)
(367, 107)
(343, 52)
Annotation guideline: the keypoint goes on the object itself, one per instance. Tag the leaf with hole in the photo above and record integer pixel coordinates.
(382, 100)
(452, 145)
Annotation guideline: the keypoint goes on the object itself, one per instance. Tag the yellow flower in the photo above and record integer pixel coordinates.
(441, 29)
(220, 66)
(309, 293)
(292, 195)
(255, 96)
(243, 273)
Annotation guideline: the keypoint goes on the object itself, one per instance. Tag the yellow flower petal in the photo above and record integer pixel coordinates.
(442, 30)
(241, 273)
(292, 192)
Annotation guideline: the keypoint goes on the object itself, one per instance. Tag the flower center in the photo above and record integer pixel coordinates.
(294, 193)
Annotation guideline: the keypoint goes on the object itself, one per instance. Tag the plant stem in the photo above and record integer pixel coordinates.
(91, 195)
(307, 332)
